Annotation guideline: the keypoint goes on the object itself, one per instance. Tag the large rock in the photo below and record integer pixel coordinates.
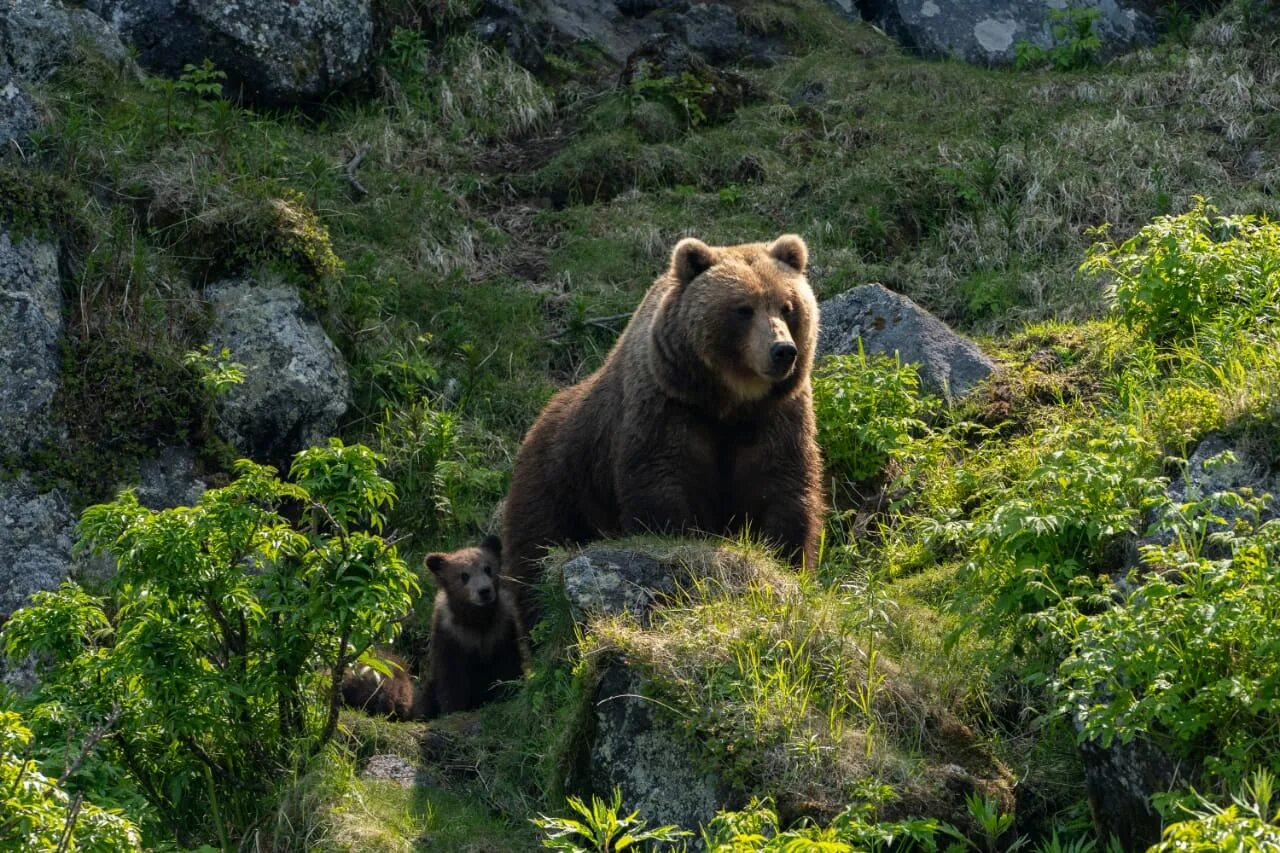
(296, 385)
(888, 323)
(987, 33)
(605, 581)
(640, 752)
(36, 534)
(273, 51)
(30, 327)
(1120, 781)
(37, 37)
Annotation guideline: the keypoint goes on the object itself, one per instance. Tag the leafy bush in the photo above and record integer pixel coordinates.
(36, 814)
(219, 648)
(1189, 657)
(1075, 44)
(602, 828)
(867, 410)
(1087, 489)
(1182, 272)
(1183, 415)
(1249, 823)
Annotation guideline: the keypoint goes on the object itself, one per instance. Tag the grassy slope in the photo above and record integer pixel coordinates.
(970, 190)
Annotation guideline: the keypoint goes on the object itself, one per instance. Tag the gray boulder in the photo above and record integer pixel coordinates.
(17, 112)
(30, 327)
(273, 51)
(169, 480)
(635, 748)
(1216, 466)
(1120, 780)
(712, 30)
(36, 534)
(987, 33)
(887, 323)
(611, 581)
(296, 385)
(37, 37)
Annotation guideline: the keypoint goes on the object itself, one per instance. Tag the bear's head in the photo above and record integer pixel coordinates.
(469, 576)
(746, 313)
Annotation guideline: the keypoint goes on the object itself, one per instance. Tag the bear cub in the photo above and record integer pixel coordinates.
(370, 691)
(476, 632)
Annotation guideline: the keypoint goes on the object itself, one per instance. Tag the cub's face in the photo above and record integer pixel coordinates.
(748, 311)
(470, 575)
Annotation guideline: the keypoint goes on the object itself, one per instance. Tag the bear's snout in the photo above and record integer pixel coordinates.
(484, 595)
(781, 356)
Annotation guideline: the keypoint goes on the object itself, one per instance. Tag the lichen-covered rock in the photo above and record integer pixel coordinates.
(639, 751)
(36, 535)
(987, 33)
(611, 581)
(273, 51)
(37, 37)
(712, 30)
(169, 480)
(17, 111)
(1120, 780)
(388, 767)
(296, 385)
(30, 327)
(888, 323)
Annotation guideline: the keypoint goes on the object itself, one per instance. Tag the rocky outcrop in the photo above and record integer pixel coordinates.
(1120, 780)
(889, 323)
(637, 750)
(987, 33)
(169, 480)
(296, 385)
(36, 534)
(37, 37)
(274, 52)
(30, 327)
(611, 581)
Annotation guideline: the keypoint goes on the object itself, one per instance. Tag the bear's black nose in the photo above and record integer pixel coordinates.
(485, 595)
(782, 354)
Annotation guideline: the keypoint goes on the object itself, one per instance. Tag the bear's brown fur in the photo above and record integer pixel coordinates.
(369, 690)
(476, 633)
(701, 417)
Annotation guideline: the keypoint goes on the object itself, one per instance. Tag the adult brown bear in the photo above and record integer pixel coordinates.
(701, 417)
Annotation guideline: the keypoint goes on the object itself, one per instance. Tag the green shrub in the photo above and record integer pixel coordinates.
(1085, 492)
(1189, 657)
(36, 814)
(225, 633)
(867, 410)
(1250, 823)
(1182, 272)
(1183, 415)
(1075, 43)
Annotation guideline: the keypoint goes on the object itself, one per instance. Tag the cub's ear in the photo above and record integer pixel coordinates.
(691, 258)
(436, 563)
(791, 250)
(492, 544)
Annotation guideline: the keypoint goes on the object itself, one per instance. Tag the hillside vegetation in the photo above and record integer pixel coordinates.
(1050, 569)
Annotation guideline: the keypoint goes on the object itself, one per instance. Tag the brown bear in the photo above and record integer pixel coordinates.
(700, 419)
(369, 690)
(476, 633)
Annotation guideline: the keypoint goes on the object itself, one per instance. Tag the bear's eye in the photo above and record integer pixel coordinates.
(788, 307)
(465, 577)
(744, 310)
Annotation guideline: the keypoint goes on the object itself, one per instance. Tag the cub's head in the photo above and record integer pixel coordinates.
(469, 575)
(747, 312)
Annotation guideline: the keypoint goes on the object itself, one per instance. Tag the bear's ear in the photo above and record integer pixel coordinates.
(791, 250)
(436, 563)
(492, 544)
(691, 258)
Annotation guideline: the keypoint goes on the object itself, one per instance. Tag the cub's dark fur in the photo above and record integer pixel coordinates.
(476, 632)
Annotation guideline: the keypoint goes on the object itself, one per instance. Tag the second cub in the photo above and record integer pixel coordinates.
(476, 633)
